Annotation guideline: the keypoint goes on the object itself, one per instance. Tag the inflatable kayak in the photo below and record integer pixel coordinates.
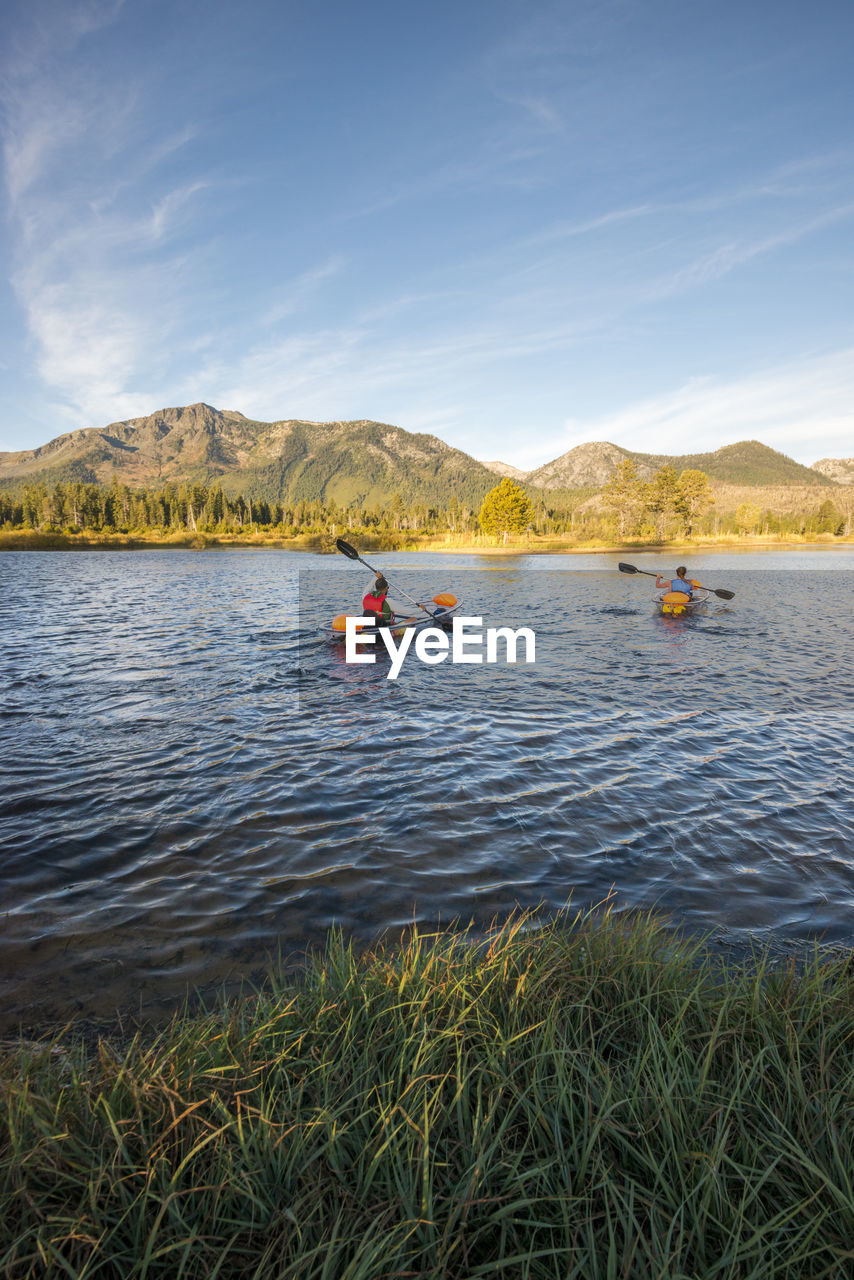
(442, 617)
(680, 604)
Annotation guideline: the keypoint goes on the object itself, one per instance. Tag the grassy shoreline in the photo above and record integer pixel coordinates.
(33, 540)
(578, 1097)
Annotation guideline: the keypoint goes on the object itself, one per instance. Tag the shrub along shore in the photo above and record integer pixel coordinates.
(371, 540)
(574, 1097)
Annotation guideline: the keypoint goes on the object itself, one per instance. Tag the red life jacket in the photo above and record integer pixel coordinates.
(373, 604)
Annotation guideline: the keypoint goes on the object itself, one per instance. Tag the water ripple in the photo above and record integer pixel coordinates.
(195, 782)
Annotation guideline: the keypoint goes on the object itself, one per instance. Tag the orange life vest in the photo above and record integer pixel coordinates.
(373, 604)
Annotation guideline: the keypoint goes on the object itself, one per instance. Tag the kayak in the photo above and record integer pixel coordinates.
(679, 604)
(443, 617)
(676, 603)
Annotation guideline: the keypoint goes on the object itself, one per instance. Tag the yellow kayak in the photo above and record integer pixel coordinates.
(677, 604)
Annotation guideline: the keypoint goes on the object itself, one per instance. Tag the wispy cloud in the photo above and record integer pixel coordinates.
(96, 265)
(44, 113)
(803, 408)
(572, 229)
(494, 165)
(168, 208)
(294, 295)
(727, 257)
(352, 369)
(88, 351)
(104, 305)
(550, 234)
(539, 109)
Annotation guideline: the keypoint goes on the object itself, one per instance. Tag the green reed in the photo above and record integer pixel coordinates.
(573, 1097)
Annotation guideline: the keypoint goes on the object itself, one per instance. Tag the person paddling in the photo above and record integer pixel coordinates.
(680, 583)
(375, 605)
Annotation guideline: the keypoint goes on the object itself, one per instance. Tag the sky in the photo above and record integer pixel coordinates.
(517, 225)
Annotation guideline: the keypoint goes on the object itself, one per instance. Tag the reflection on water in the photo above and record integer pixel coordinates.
(194, 781)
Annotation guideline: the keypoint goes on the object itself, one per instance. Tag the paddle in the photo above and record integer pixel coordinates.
(352, 554)
(721, 591)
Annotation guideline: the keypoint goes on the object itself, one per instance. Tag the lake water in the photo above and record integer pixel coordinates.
(196, 784)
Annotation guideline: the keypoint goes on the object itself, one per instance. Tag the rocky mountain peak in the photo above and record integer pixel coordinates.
(586, 466)
(840, 470)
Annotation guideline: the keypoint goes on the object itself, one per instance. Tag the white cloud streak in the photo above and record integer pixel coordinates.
(96, 267)
(804, 409)
(726, 257)
(298, 291)
(44, 115)
(113, 261)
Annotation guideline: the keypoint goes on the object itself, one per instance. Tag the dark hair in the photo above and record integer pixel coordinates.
(681, 571)
(380, 586)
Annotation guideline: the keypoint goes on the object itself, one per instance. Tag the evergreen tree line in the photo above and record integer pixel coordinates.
(78, 507)
(675, 504)
(668, 506)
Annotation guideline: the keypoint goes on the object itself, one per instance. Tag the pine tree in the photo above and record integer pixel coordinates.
(828, 519)
(506, 509)
(748, 517)
(663, 498)
(396, 509)
(694, 495)
(626, 495)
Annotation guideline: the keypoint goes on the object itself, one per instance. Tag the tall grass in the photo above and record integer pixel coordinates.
(571, 1098)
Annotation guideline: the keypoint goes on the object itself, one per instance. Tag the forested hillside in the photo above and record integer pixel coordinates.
(280, 462)
(357, 464)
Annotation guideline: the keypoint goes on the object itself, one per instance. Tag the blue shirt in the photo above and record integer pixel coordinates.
(680, 584)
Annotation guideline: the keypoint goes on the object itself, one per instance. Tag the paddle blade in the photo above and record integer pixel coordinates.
(627, 568)
(725, 595)
(344, 547)
(446, 599)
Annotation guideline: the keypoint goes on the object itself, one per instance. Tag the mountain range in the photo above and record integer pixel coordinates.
(360, 462)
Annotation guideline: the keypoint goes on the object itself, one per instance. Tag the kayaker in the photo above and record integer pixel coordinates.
(375, 602)
(680, 583)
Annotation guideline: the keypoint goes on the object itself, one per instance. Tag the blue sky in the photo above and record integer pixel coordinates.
(519, 226)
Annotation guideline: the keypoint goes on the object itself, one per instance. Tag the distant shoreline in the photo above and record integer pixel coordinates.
(26, 540)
